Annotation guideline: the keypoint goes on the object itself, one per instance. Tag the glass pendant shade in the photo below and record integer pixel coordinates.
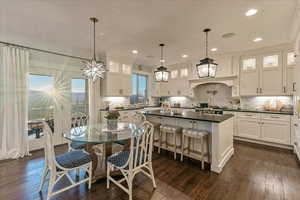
(161, 74)
(206, 68)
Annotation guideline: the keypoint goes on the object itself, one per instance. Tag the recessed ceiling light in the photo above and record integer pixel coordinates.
(184, 56)
(251, 12)
(134, 51)
(214, 49)
(258, 39)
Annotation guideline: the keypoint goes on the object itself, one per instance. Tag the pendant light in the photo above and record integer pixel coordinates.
(206, 68)
(94, 69)
(161, 73)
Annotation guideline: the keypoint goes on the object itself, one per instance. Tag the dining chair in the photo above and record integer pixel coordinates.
(59, 166)
(135, 117)
(137, 159)
(78, 120)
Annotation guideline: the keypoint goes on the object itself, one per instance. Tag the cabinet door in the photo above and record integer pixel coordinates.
(125, 87)
(290, 87)
(248, 128)
(164, 90)
(271, 75)
(112, 86)
(155, 89)
(275, 131)
(289, 72)
(249, 73)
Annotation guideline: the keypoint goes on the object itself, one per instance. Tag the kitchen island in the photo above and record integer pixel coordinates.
(219, 126)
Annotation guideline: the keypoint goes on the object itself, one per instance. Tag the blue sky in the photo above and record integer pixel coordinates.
(42, 83)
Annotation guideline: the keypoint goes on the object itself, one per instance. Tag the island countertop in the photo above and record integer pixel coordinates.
(190, 115)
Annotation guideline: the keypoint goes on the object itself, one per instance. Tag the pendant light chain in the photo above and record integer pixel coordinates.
(94, 39)
(206, 43)
(161, 54)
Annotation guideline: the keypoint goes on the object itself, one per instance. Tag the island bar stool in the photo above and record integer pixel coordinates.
(192, 133)
(169, 130)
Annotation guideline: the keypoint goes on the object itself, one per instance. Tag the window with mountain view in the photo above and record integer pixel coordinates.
(79, 96)
(40, 103)
(139, 88)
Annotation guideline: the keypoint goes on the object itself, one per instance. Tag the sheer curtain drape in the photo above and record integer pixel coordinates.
(13, 102)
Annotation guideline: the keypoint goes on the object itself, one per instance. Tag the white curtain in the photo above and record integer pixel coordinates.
(13, 102)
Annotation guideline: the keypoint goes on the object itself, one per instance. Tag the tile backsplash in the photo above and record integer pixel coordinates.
(257, 103)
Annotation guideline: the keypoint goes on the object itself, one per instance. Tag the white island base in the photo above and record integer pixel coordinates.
(220, 139)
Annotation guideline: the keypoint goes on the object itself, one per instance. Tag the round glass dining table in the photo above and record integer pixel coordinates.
(100, 134)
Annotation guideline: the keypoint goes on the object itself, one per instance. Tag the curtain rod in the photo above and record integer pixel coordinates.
(44, 51)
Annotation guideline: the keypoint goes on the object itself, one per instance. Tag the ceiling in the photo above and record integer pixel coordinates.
(64, 26)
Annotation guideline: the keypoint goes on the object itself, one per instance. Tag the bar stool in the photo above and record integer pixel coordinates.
(169, 130)
(201, 135)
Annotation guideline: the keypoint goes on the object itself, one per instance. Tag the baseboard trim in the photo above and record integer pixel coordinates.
(218, 169)
(282, 146)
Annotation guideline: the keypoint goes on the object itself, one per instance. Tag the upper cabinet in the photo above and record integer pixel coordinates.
(267, 74)
(289, 70)
(249, 76)
(271, 74)
(117, 81)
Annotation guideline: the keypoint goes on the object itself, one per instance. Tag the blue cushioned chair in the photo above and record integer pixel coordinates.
(59, 166)
(138, 159)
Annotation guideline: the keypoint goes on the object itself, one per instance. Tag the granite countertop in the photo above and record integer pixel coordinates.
(224, 109)
(257, 111)
(192, 116)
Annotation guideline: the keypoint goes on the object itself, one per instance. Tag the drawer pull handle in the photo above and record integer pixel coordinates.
(275, 117)
(249, 115)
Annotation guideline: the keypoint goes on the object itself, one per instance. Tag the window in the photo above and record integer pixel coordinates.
(249, 64)
(291, 58)
(184, 72)
(40, 103)
(79, 97)
(271, 61)
(139, 88)
(174, 74)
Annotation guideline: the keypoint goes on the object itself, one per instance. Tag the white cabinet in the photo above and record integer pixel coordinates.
(117, 81)
(116, 84)
(274, 131)
(271, 74)
(273, 128)
(289, 77)
(248, 125)
(155, 89)
(249, 76)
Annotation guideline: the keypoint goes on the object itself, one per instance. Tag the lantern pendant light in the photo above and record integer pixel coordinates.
(161, 74)
(207, 67)
(94, 69)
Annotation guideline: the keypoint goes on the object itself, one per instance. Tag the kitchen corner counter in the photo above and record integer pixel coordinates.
(192, 116)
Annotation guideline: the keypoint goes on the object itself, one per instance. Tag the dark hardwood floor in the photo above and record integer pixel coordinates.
(252, 173)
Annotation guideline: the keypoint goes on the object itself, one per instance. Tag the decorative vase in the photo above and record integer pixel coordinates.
(112, 124)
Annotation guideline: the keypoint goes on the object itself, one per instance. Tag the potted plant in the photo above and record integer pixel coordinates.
(112, 119)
